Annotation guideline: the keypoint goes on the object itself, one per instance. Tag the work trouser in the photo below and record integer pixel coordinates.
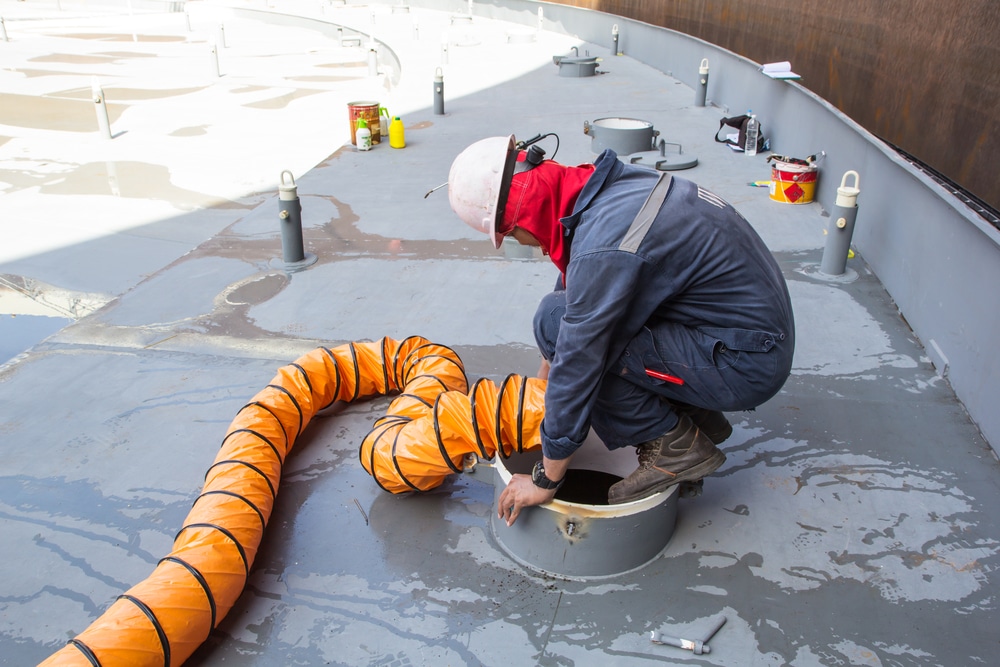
(714, 368)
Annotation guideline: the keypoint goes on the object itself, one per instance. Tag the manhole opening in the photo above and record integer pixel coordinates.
(587, 485)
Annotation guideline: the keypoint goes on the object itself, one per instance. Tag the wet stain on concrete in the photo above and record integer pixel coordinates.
(248, 89)
(125, 55)
(48, 113)
(71, 58)
(281, 101)
(256, 289)
(193, 131)
(123, 37)
(335, 241)
(340, 236)
(113, 93)
(33, 73)
(230, 315)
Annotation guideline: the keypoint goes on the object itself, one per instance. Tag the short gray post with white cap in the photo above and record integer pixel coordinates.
(701, 92)
(213, 59)
(841, 229)
(438, 92)
(290, 214)
(614, 40)
(372, 56)
(101, 107)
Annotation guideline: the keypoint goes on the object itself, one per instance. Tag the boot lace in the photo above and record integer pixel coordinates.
(647, 453)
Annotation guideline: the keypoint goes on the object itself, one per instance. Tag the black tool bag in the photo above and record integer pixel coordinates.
(740, 122)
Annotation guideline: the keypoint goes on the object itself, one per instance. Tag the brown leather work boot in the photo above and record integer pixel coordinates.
(711, 422)
(679, 455)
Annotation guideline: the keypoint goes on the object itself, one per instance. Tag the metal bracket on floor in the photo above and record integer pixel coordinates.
(659, 160)
(696, 646)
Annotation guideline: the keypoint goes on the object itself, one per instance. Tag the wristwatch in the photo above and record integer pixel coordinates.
(543, 482)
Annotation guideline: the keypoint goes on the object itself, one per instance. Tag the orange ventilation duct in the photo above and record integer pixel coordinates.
(429, 430)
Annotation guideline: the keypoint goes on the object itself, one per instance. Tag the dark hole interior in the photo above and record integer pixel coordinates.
(587, 487)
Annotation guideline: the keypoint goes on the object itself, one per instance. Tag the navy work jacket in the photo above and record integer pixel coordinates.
(698, 263)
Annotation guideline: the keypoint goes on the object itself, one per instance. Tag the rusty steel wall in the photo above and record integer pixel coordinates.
(923, 75)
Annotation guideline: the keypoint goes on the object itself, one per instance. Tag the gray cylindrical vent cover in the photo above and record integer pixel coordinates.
(622, 135)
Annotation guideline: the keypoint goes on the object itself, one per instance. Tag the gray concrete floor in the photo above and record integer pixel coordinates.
(854, 522)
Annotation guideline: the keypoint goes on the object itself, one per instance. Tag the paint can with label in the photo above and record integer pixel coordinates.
(793, 182)
(369, 112)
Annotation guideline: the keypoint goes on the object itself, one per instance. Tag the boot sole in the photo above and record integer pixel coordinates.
(706, 467)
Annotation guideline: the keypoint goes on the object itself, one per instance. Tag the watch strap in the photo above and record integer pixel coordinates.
(541, 480)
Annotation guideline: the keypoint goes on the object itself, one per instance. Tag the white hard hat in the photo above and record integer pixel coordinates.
(478, 183)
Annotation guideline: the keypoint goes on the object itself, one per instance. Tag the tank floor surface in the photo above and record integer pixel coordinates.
(854, 521)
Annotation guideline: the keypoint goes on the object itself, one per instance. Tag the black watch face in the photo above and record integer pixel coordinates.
(538, 474)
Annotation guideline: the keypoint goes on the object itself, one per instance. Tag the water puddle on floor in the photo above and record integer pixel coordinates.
(256, 290)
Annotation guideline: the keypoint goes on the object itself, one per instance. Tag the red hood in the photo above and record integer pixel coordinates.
(539, 198)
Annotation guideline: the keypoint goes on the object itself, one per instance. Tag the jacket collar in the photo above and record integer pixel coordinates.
(607, 167)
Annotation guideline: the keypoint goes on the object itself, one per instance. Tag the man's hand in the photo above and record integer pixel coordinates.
(521, 493)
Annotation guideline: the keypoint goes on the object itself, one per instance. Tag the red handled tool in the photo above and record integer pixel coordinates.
(664, 376)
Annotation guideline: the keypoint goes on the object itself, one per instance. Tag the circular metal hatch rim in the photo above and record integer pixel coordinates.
(623, 509)
(609, 529)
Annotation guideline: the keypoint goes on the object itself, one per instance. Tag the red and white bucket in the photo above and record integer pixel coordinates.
(792, 182)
